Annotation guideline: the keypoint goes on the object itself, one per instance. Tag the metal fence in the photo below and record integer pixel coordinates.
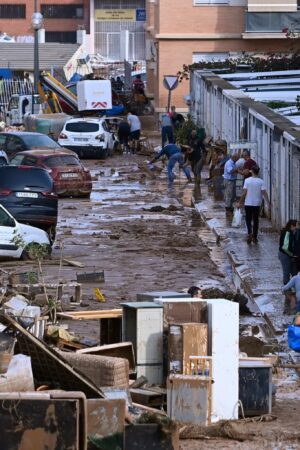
(11, 87)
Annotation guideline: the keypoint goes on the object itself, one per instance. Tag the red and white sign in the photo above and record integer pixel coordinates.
(94, 95)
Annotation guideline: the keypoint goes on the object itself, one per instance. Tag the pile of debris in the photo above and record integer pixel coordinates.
(160, 361)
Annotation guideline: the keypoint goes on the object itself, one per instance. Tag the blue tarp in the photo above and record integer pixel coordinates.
(75, 77)
(6, 73)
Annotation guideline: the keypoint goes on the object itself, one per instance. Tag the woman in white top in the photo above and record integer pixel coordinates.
(253, 193)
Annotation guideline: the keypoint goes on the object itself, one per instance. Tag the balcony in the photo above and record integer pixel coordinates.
(267, 24)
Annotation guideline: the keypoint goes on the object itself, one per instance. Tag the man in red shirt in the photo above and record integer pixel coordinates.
(249, 163)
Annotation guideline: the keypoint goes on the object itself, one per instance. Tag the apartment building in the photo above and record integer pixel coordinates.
(62, 19)
(185, 32)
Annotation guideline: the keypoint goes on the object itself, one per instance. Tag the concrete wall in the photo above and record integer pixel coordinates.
(227, 113)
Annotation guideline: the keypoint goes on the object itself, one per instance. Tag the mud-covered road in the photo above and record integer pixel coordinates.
(141, 236)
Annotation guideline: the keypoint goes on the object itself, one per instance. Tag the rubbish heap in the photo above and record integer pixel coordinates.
(160, 365)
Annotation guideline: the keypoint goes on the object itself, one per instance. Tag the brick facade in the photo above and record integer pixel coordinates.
(22, 27)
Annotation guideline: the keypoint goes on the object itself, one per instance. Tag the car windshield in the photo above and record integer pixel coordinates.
(39, 140)
(63, 160)
(18, 178)
(82, 127)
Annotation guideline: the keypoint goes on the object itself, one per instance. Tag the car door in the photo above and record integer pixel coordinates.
(8, 232)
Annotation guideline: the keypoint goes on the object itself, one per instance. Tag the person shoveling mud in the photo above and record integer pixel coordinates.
(174, 154)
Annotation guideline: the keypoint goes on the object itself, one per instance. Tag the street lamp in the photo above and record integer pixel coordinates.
(36, 23)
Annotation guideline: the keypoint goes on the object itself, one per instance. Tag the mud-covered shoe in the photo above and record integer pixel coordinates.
(249, 239)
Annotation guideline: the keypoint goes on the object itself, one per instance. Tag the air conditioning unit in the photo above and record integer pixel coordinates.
(83, 60)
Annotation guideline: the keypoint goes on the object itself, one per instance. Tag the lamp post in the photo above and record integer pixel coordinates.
(36, 23)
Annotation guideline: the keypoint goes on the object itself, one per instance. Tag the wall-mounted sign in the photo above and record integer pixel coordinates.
(120, 15)
(140, 15)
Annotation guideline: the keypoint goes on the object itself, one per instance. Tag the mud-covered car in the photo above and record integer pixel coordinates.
(69, 175)
(89, 137)
(17, 239)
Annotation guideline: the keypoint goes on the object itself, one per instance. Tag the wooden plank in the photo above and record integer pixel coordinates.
(71, 262)
(91, 315)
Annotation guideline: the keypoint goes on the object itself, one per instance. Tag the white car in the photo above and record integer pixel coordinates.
(16, 238)
(89, 137)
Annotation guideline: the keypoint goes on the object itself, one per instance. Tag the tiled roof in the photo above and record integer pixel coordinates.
(19, 56)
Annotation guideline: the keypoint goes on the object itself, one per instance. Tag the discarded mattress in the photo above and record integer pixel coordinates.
(102, 370)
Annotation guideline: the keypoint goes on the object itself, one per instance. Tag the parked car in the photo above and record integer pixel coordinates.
(88, 137)
(70, 177)
(17, 141)
(28, 194)
(16, 239)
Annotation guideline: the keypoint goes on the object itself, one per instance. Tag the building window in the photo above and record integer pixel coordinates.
(64, 37)
(62, 11)
(17, 11)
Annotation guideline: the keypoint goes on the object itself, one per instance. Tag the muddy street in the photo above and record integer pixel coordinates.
(142, 237)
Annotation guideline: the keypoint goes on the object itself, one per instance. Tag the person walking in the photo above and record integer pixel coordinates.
(252, 195)
(174, 154)
(123, 135)
(166, 129)
(135, 130)
(196, 155)
(230, 174)
(287, 241)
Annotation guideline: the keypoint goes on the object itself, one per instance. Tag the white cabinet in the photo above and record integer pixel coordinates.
(143, 326)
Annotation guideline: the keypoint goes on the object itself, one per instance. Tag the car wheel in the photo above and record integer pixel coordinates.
(51, 234)
(32, 252)
(3, 162)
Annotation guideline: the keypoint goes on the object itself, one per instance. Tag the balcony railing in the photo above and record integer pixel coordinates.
(272, 22)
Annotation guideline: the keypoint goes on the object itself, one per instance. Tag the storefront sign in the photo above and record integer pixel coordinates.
(120, 15)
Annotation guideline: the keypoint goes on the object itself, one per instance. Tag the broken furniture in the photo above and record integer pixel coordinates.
(48, 366)
(102, 370)
(110, 322)
(106, 423)
(184, 340)
(223, 339)
(119, 350)
(255, 387)
(38, 420)
(18, 377)
(143, 326)
(189, 399)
